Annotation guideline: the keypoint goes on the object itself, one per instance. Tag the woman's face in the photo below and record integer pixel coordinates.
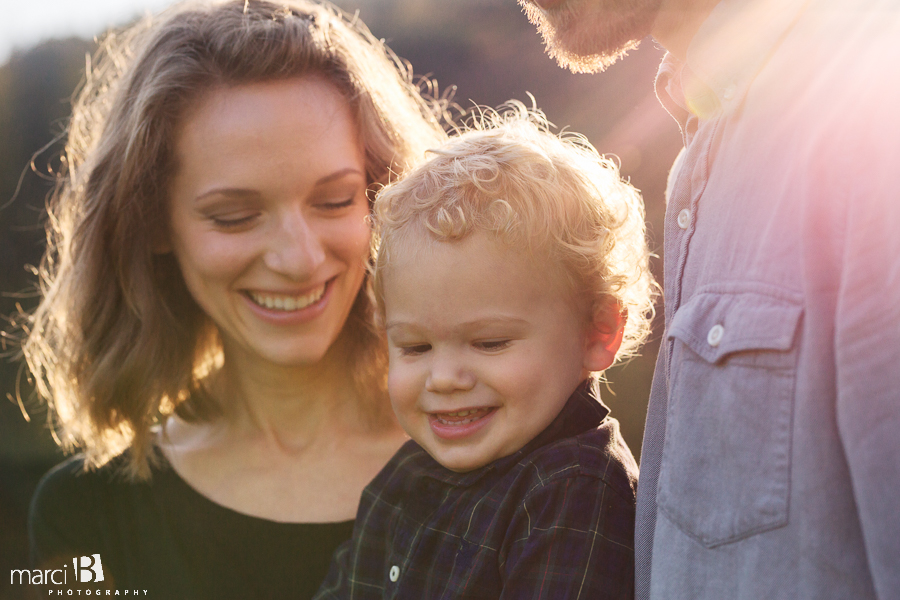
(267, 216)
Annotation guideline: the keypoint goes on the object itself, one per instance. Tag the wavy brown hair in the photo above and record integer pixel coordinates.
(117, 343)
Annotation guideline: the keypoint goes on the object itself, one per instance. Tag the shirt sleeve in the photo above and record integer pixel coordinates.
(867, 355)
(571, 538)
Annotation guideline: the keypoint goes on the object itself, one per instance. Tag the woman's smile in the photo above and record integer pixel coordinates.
(287, 302)
(281, 310)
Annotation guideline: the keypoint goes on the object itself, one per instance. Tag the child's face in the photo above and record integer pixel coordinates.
(485, 347)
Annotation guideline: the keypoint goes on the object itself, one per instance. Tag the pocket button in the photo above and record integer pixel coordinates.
(714, 337)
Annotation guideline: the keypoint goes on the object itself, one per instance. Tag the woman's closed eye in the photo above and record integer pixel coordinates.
(233, 221)
(337, 205)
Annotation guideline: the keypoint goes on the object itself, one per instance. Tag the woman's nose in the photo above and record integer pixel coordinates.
(295, 249)
(448, 374)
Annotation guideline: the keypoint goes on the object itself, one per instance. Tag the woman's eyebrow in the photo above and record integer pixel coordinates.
(232, 192)
(340, 174)
(243, 192)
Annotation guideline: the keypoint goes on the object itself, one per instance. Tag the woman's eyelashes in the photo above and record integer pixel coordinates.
(239, 221)
(232, 222)
(337, 205)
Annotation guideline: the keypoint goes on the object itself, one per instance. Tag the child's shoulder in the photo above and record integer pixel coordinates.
(573, 499)
(598, 454)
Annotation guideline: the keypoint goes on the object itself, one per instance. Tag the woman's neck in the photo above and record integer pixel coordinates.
(294, 407)
(292, 445)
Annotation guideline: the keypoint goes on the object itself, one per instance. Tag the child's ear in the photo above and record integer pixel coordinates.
(604, 336)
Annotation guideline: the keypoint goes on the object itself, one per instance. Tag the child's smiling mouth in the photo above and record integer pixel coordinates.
(456, 425)
(462, 417)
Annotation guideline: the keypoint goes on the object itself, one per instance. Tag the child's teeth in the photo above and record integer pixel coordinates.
(459, 417)
(461, 413)
(456, 417)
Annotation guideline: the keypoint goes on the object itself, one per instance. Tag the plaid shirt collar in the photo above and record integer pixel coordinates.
(583, 411)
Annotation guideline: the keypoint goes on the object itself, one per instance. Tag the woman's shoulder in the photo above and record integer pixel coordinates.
(58, 522)
(70, 481)
(70, 505)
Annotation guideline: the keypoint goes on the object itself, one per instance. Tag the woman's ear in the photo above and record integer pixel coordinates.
(604, 336)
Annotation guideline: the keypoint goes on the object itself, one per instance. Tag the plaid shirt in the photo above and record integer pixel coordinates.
(554, 520)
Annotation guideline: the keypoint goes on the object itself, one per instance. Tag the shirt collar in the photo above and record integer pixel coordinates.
(583, 411)
(724, 57)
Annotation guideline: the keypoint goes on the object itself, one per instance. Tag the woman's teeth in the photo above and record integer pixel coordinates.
(287, 303)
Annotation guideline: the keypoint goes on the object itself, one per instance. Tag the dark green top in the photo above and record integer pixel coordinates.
(164, 537)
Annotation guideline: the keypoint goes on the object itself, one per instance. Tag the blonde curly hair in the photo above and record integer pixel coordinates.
(553, 195)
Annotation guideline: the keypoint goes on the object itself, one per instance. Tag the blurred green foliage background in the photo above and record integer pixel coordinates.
(485, 49)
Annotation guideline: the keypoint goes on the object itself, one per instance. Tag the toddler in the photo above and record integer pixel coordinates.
(511, 270)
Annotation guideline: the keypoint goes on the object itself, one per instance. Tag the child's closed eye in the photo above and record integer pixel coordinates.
(414, 349)
(492, 345)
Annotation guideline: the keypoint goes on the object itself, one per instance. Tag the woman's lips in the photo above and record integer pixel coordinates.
(286, 302)
(453, 425)
(289, 309)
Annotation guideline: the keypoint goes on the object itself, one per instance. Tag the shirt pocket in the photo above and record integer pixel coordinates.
(725, 472)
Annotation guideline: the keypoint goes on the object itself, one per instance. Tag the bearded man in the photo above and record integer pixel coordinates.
(770, 465)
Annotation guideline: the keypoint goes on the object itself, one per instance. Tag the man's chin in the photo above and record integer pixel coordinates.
(578, 62)
(584, 40)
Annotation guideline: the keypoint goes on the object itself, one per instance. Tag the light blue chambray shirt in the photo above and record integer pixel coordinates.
(771, 458)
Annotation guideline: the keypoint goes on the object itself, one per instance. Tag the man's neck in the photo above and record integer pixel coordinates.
(678, 21)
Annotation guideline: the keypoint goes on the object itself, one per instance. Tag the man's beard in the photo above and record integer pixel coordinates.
(587, 36)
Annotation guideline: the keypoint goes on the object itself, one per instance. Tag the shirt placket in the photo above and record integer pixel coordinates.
(682, 213)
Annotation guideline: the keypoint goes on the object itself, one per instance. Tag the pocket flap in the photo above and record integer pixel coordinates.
(716, 323)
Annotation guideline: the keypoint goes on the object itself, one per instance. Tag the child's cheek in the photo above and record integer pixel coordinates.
(401, 386)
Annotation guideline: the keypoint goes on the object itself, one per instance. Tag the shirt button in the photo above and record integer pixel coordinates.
(684, 218)
(728, 92)
(395, 573)
(715, 335)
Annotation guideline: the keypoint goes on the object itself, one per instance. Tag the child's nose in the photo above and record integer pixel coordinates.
(448, 374)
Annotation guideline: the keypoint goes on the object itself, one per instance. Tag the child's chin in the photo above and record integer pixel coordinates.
(463, 468)
(464, 464)
(457, 464)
